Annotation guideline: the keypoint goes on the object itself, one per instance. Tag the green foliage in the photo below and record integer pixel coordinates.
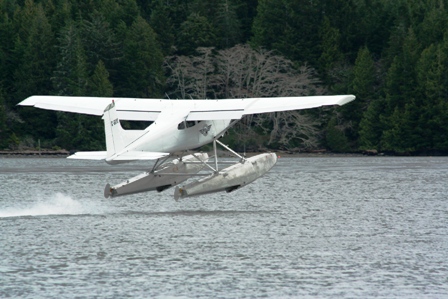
(331, 54)
(362, 85)
(335, 138)
(391, 54)
(70, 76)
(371, 127)
(141, 67)
(79, 132)
(3, 126)
(99, 84)
(288, 26)
(13, 141)
(195, 32)
(363, 76)
(162, 24)
(228, 24)
(100, 42)
(35, 53)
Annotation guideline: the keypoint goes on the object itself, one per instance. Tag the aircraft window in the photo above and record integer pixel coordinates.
(135, 125)
(181, 126)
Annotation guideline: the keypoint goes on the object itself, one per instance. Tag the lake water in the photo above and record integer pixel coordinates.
(325, 227)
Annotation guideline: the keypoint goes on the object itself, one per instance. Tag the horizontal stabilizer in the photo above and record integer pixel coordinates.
(136, 156)
(100, 155)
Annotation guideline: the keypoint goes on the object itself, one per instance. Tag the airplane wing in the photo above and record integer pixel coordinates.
(266, 105)
(149, 109)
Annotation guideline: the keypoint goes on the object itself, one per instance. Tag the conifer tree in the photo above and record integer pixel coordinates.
(141, 67)
(228, 24)
(99, 84)
(335, 138)
(162, 24)
(35, 56)
(34, 60)
(331, 54)
(370, 127)
(288, 26)
(100, 41)
(195, 32)
(432, 71)
(363, 87)
(3, 125)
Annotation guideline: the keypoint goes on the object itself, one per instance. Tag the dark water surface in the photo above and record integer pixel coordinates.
(366, 227)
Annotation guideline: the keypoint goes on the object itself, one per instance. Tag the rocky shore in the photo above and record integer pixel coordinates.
(34, 153)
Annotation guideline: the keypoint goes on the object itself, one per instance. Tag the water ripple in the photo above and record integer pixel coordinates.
(310, 228)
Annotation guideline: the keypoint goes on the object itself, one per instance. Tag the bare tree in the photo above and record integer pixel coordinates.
(241, 72)
(190, 75)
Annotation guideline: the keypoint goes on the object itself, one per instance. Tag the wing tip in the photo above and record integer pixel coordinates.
(29, 101)
(346, 99)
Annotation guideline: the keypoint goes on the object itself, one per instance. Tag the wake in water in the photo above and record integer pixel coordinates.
(59, 204)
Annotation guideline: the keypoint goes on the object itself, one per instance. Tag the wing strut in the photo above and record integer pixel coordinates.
(230, 150)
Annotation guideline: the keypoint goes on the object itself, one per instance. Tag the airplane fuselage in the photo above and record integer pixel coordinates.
(185, 135)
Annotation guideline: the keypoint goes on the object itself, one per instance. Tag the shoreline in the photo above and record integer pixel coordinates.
(35, 153)
(280, 154)
(65, 154)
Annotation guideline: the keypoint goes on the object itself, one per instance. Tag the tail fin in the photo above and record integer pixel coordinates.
(118, 139)
(115, 141)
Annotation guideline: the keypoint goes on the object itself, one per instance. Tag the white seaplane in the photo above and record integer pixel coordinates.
(178, 127)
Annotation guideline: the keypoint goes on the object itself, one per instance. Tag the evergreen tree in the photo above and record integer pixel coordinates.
(162, 24)
(288, 26)
(35, 56)
(434, 24)
(364, 76)
(335, 138)
(70, 76)
(128, 12)
(100, 42)
(195, 32)
(228, 24)
(34, 59)
(3, 126)
(246, 11)
(399, 115)
(141, 67)
(396, 137)
(59, 13)
(7, 38)
(70, 79)
(432, 71)
(370, 127)
(331, 55)
(99, 84)
(363, 87)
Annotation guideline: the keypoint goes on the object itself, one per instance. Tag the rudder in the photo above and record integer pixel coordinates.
(114, 132)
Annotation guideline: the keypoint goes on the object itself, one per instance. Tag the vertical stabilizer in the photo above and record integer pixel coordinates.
(115, 141)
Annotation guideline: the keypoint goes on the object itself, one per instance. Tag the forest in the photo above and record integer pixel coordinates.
(393, 55)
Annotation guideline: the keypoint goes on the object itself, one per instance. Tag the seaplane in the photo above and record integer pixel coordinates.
(176, 129)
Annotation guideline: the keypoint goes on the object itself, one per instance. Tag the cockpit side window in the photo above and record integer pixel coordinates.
(187, 124)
